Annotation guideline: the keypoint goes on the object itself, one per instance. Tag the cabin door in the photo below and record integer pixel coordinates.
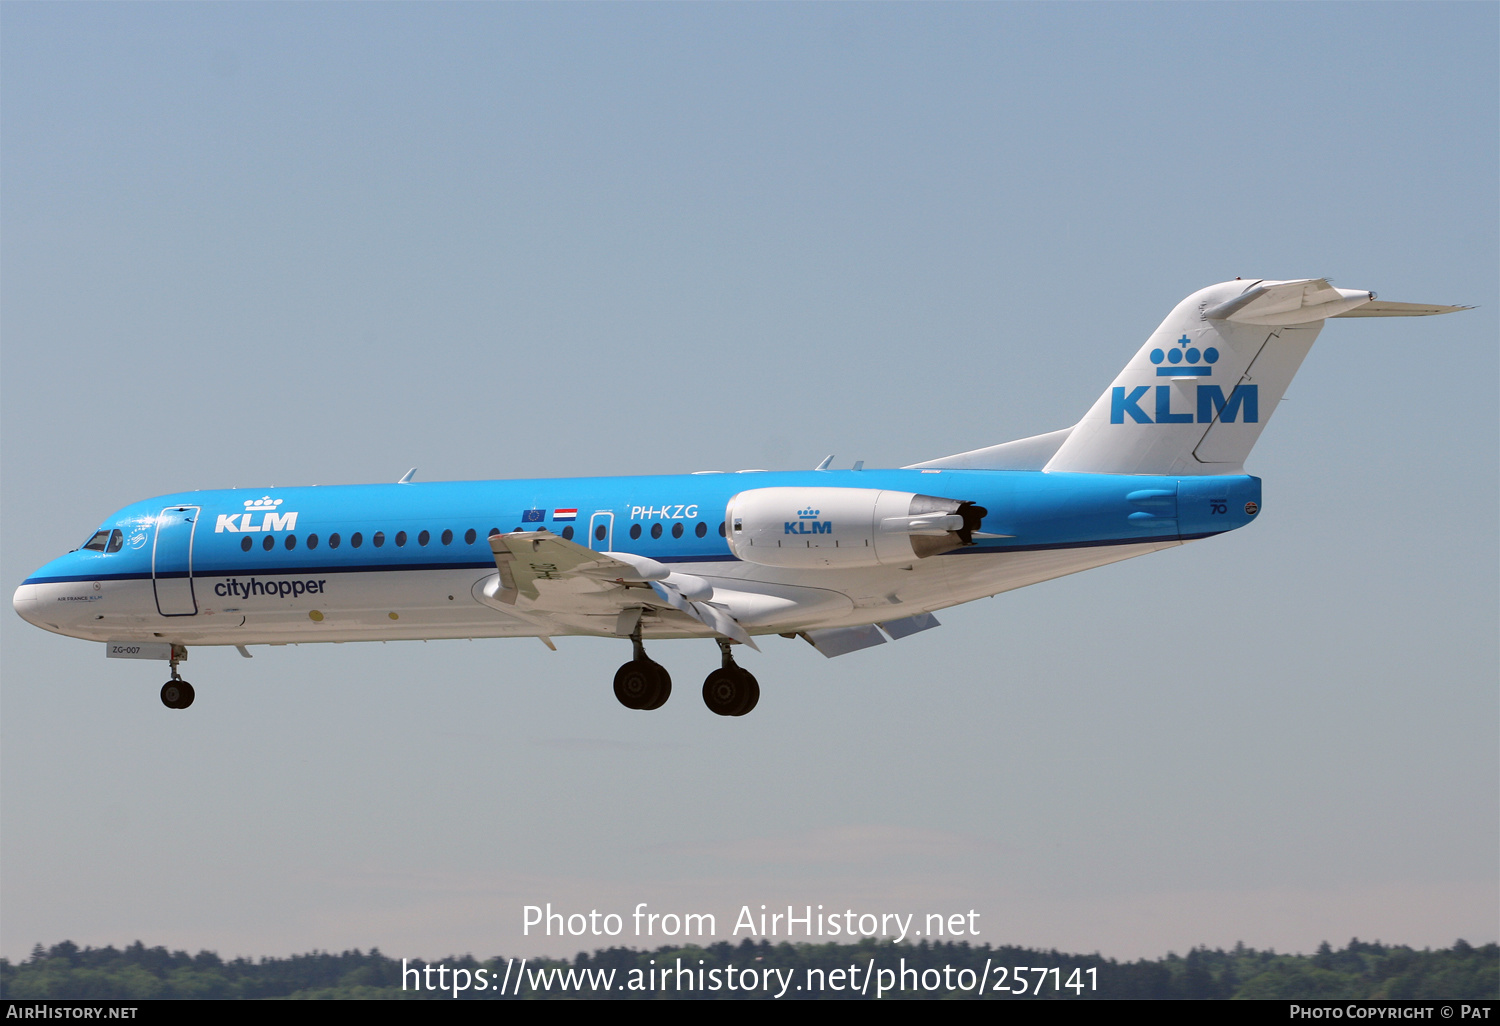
(601, 531)
(172, 561)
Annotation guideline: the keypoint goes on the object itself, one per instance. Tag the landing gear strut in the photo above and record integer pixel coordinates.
(177, 693)
(729, 690)
(640, 683)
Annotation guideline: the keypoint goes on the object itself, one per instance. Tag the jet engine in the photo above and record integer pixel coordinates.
(814, 528)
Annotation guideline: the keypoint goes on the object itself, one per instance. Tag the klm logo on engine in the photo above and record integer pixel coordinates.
(807, 522)
(1212, 405)
(265, 508)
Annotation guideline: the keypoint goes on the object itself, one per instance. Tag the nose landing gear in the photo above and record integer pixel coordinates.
(729, 690)
(641, 683)
(177, 693)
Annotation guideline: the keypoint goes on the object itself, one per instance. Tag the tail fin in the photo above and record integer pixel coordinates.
(1196, 396)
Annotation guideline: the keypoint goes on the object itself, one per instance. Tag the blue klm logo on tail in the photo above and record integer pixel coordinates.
(1185, 361)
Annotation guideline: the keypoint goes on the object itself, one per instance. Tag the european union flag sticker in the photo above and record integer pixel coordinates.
(533, 516)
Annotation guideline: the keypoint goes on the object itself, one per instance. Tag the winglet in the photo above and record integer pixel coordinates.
(406, 477)
(827, 460)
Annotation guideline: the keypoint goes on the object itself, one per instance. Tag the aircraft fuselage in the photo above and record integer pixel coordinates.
(411, 561)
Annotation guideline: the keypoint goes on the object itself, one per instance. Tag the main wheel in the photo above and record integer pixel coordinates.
(730, 691)
(642, 684)
(177, 694)
(663, 689)
(752, 694)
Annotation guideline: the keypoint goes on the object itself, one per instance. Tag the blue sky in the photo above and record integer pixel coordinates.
(253, 245)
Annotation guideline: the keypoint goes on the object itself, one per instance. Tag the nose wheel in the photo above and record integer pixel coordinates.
(641, 683)
(177, 693)
(730, 690)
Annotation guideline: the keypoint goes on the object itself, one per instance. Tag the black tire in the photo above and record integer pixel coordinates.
(632, 685)
(177, 694)
(642, 684)
(752, 693)
(663, 689)
(730, 691)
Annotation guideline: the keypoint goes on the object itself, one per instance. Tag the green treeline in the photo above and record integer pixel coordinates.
(925, 970)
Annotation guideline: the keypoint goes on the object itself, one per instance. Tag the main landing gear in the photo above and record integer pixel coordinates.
(177, 693)
(729, 690)
(643, 684)
(640, 683)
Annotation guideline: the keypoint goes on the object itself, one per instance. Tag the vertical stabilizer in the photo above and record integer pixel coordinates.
(1198, 393)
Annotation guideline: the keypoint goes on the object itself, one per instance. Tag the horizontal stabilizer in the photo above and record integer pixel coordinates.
(1380, 308)
(1288, 302)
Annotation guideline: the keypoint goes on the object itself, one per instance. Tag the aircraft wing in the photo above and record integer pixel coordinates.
(565, 581)
(526, 557)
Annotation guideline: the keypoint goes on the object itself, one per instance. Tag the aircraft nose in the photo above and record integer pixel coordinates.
(25, 603)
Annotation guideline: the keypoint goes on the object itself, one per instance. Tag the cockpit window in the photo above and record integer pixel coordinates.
(116, 540)
(98, 541)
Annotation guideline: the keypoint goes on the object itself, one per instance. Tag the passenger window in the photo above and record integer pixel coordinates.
(721, 530)
(656, 530)
(116, 540)
(97, 542)
(378, 539)
(356, 539)
(701, 529)
(635, 531)
(447, 538)
(568, 533)
(312, 541)
(291, 541)
(677, 530)
(333, 540)
(494, 531)
(599, 533)
(244, 544)
(469, 536)
(269, 543)
(400, 538)
(423, 538)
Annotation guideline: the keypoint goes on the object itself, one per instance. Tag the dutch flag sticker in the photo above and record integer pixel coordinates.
(565, 514)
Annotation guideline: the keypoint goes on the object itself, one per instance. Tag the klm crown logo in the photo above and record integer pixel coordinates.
(263, 503)
(809, 514)
(1209, 404)
(1184, 361)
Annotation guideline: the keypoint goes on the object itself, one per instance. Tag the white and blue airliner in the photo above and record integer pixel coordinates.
(842, 559)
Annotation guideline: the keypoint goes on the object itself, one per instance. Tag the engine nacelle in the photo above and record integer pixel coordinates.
(846, 527)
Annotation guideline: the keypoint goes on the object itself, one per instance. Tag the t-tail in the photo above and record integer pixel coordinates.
(1198, 393)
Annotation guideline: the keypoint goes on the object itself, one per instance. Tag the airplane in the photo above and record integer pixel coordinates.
(841, 559)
